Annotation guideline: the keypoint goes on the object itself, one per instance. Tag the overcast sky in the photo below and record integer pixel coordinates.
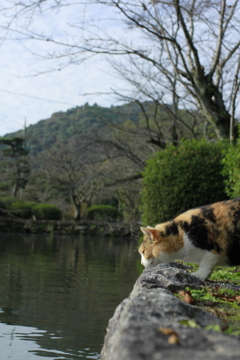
(25, 97)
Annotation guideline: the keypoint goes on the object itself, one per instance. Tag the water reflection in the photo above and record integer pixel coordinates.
(57, 294)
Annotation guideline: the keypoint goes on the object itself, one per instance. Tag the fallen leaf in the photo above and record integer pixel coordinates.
(212, 311)
(173, 339)
(209, 303)
(167, 331)
(182, 292)
(218, 295)
(187, 297)
(173, 336)
(227, 298)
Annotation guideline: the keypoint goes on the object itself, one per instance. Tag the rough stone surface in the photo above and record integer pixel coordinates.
(224, 285)
(135, 330)
(172, 276)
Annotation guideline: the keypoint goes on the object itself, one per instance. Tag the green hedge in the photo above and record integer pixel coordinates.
(4, 186)
(102, 212)
(179, 178)
(7, 200)
(28, 209)
(22, 209)
(20, 204)
(46, 212)
(231, 163)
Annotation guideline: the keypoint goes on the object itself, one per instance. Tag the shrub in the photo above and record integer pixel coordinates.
(231, 170)
(7, 200)
(180, 178)
(102, 212)
(21, 204)
(3, 205)
(4, 186)
(22, 209)
(46, 212)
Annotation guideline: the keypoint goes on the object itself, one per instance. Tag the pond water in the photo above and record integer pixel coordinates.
(57, 293)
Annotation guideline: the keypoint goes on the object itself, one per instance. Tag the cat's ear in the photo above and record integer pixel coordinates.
(149, 231)
(145, 231)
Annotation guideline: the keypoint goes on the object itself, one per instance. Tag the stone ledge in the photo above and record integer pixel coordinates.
(171, 276)
(134, 331)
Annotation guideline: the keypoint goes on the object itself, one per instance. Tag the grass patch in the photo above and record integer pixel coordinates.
(226, 274)
(222, 302)
(221, 273)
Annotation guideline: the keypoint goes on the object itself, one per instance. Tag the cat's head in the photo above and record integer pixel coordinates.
(160, 244)
(150, 248)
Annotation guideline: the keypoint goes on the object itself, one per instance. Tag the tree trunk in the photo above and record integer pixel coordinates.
(15, 189)
(212, 105)
(77, 205)
(77, 213)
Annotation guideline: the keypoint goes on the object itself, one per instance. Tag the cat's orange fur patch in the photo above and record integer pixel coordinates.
(171, 244)
(158, 241)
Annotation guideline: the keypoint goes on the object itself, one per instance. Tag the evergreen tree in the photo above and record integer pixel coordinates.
(17, 167)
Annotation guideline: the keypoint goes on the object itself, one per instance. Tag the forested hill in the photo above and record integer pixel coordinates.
(74, 157)
(91, 155)
(81, 120)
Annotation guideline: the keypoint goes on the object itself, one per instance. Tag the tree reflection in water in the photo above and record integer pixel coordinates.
(57, 293)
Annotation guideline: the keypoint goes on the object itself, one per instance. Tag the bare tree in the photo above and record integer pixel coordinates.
(69, 164)
(99, 165)
(181, 52)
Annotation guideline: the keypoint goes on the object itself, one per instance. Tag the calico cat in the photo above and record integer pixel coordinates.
(208, 235)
